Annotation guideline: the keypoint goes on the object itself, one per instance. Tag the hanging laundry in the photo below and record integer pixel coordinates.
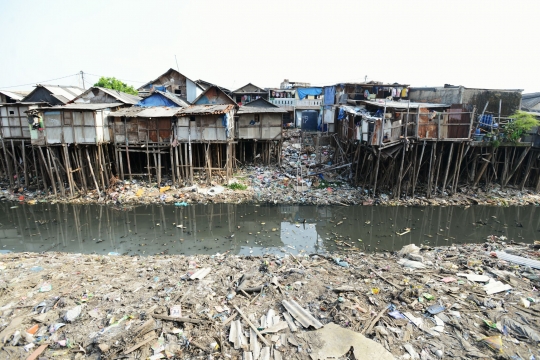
(366, 94)
(405, 92)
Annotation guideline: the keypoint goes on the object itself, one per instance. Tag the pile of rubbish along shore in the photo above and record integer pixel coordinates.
(459, 302)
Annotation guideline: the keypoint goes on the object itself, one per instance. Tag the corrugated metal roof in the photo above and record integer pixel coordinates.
(69, 92)
(302, 315)
(403, 104)
(158, 111)
(258, 110)
(118, 95)
(205, 109)
(13, 95)
(528, 101)
(127, 111)
(219, 89)
(83, 106)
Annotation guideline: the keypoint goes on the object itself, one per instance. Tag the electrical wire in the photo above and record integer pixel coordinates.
(39, 82)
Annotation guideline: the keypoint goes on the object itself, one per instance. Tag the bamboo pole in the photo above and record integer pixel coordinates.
(418, 169)
(54, 167)
(516, 166)
(92, 172)
(448, 166)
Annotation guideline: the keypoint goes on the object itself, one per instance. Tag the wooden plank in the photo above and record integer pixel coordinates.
(37, 352)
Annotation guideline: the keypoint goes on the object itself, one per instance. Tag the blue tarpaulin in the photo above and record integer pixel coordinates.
(156, 99)
(329, 95)
(341, 114)
(303, 92)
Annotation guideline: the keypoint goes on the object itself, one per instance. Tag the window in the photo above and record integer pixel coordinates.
(11, 112)
(192, 118)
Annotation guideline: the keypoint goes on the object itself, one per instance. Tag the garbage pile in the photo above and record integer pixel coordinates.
(462, 302)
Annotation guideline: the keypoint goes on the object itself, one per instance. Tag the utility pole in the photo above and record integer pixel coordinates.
(82, 78)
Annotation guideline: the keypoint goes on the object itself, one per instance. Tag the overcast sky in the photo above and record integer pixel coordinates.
(487, 44)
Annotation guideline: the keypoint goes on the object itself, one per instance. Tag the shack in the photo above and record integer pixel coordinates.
(500, 102)
(75, 138)
(249, 93)
(142, 136)
(18, 161)
(206, 130)
(259, 131)
(174, 82)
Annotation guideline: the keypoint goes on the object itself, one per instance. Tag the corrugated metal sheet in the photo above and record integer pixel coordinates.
(83, 106)
(530, 100)
(159, 111)
(301, 314)
(13, 95)
(258, 110)
(518, 259)
(205, 110)
(127, 112)
(69, 92)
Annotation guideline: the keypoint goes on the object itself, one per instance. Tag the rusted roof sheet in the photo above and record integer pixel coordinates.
(127, 112)
(302, 315)
(206, 110)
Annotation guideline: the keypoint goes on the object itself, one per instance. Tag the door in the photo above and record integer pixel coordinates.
(310, 119)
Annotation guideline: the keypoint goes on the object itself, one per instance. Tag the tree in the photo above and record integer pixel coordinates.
(521, 123)
(115, 84)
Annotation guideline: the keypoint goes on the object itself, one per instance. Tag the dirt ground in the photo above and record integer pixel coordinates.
(457, 302)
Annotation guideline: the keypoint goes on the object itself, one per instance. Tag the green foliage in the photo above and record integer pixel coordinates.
(115, 84)
(237, 186)
(521, 123)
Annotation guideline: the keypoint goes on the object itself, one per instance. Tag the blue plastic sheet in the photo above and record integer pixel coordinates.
(329, 95)
(303, 92)
(156, 99)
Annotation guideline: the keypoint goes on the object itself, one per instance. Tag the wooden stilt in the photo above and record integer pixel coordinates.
(400, 174)
(15, 165)
(516, 166)
(49, 170)
(68, 169)
(448, 166)
(482, 169)
(26, 179)
(55, 168)
(527, 171)
(376, 171)
(92, 172)
(418, 169)
(9, 172)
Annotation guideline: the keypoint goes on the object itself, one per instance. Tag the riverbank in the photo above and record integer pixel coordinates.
(266, 186)
(428, 302)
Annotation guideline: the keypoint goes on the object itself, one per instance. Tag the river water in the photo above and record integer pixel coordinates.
(251, 229)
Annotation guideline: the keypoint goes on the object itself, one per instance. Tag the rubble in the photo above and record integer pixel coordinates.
(304, 306)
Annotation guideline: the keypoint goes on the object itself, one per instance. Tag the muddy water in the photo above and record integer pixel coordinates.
(251, 229)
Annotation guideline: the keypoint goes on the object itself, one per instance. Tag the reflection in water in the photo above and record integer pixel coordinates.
(251, 229)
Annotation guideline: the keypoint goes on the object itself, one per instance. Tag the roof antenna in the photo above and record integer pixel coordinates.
(177, 68)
